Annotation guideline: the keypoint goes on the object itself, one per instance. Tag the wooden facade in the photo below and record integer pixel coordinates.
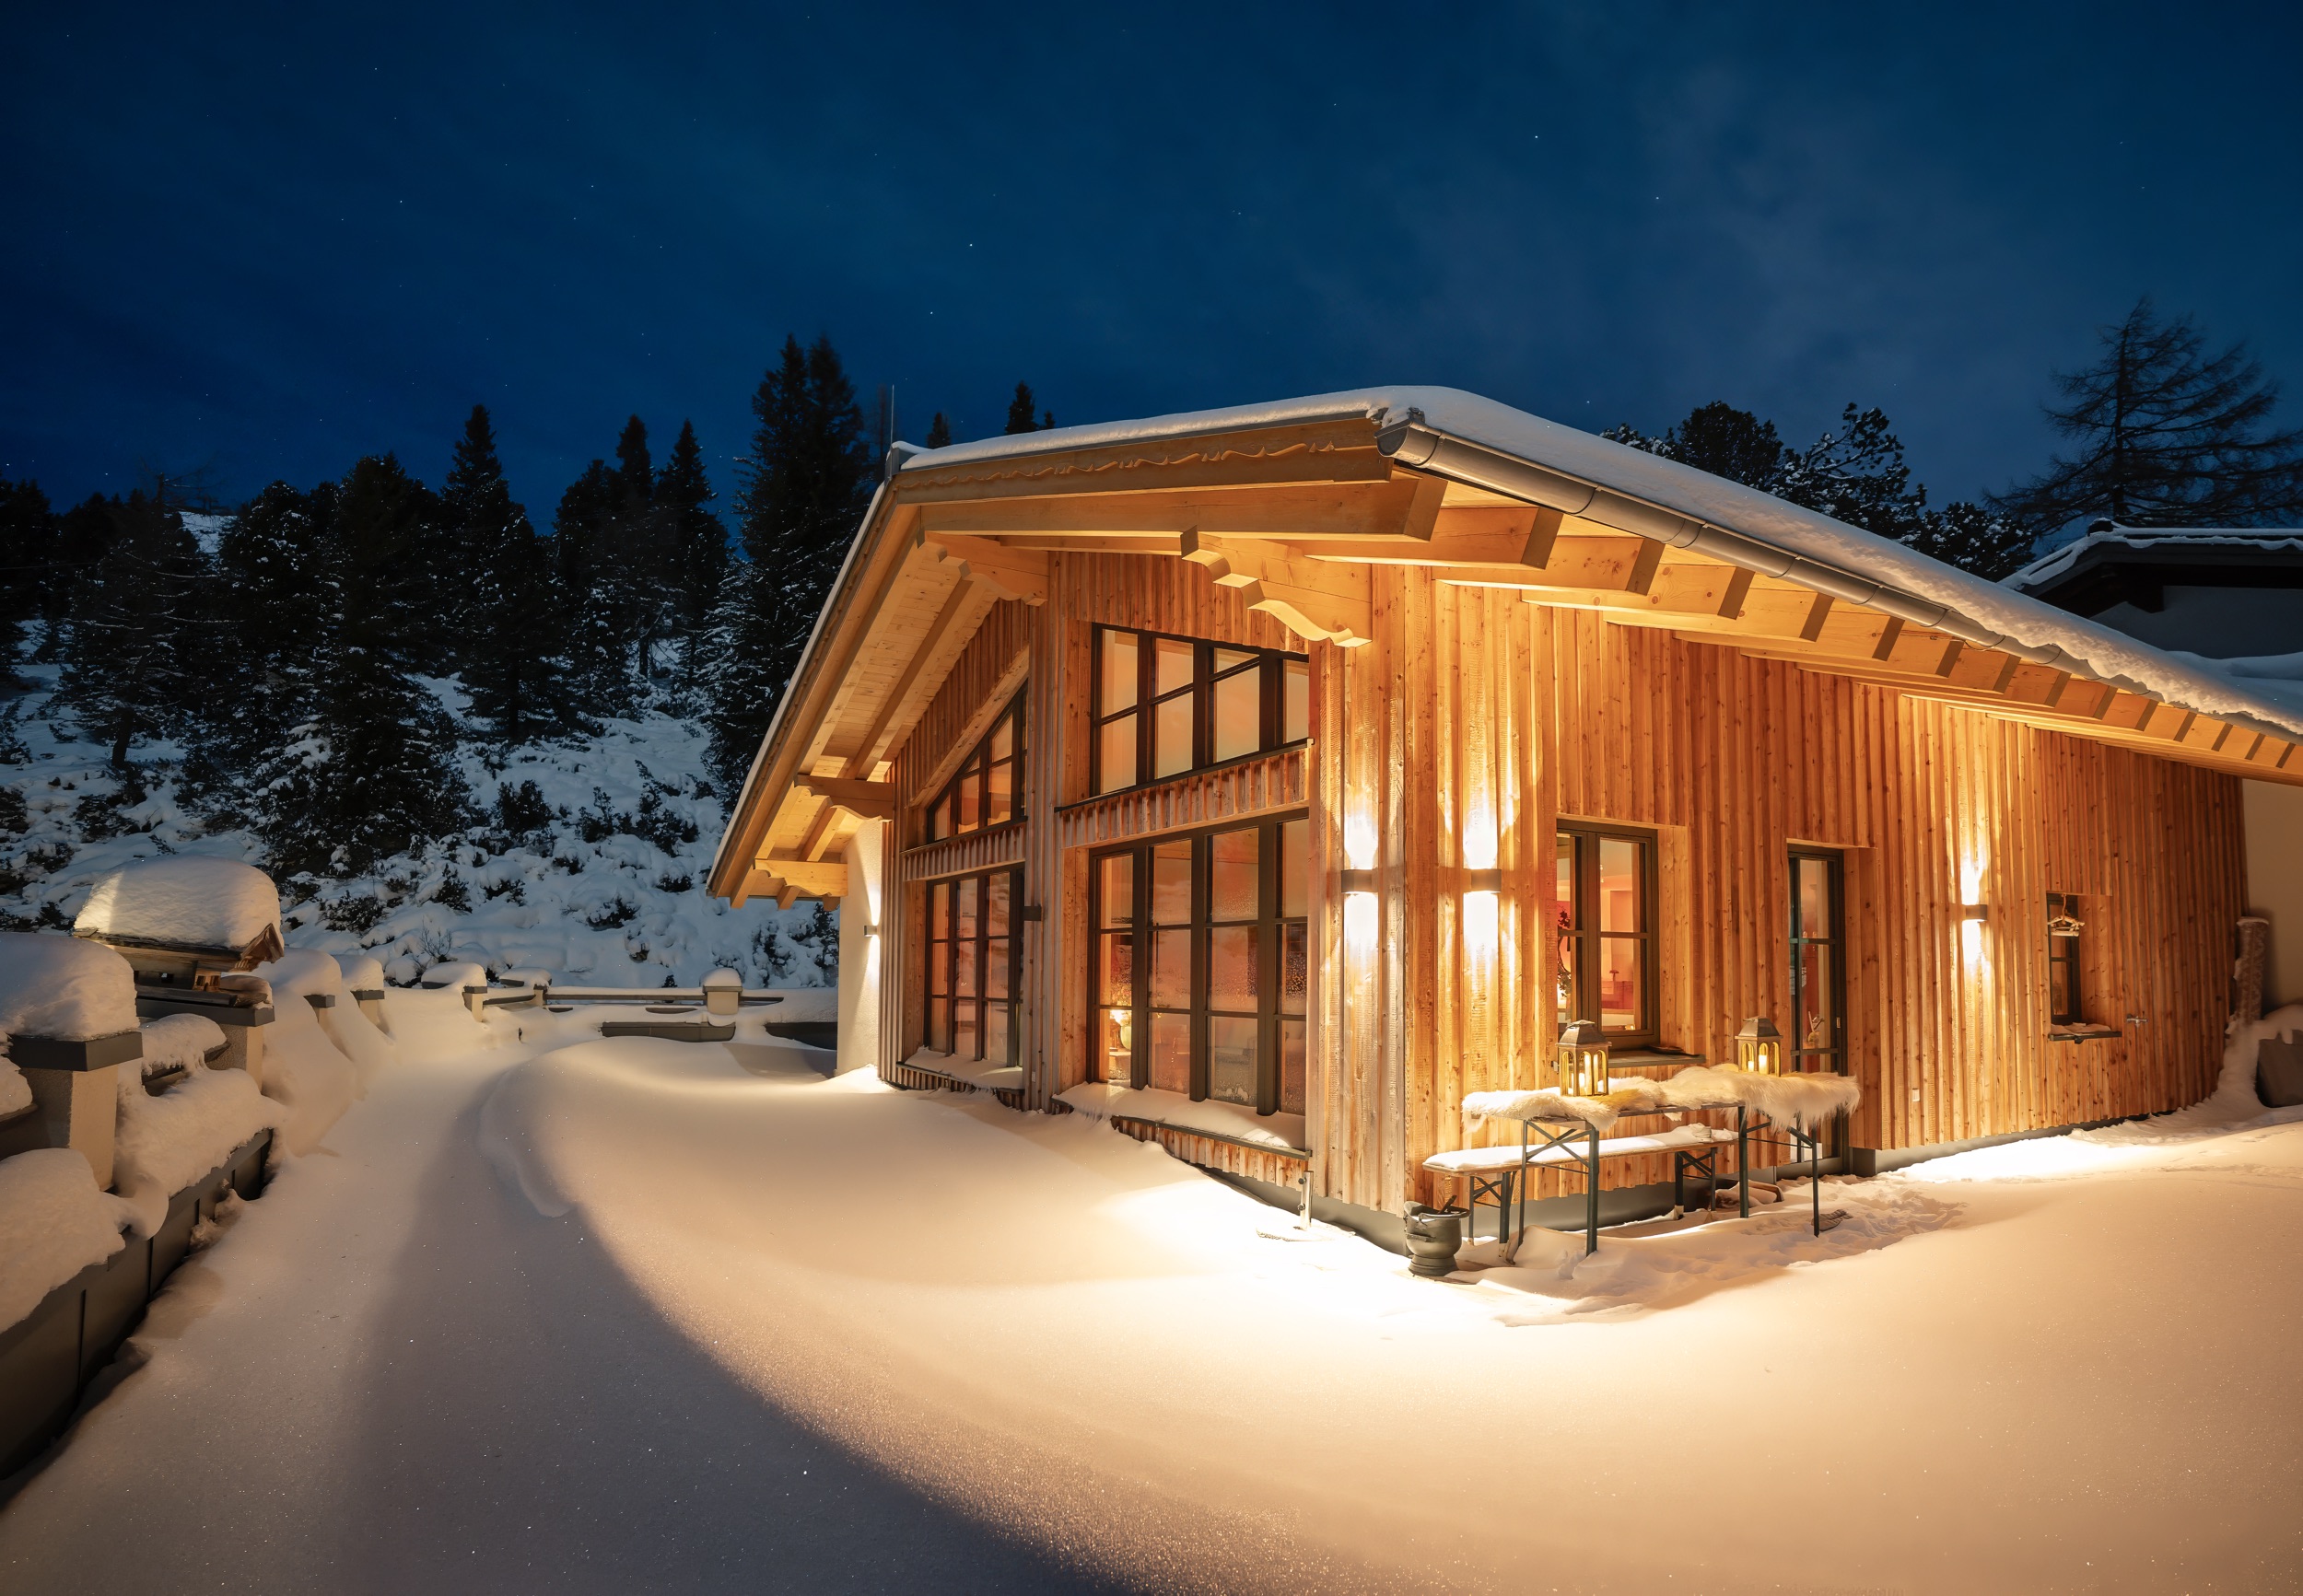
(1483, 672)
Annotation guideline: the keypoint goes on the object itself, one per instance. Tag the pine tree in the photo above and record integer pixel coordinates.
(694, 545)
(2166, 435)
(511, 667)
(365, 771)
(583, 530)
(939, 432)
(1854, 474)
(805, 485)
(414, 583)
(133, 647)
(28, 546)
(1019, 412)
(276, 581)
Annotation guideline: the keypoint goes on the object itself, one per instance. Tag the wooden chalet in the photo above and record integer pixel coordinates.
(1292, 771)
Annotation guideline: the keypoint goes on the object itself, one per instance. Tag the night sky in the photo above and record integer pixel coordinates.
(272, 243)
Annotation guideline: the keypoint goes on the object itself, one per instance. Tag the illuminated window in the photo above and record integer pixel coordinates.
(1202, 964)
(972, 945)
(1607, 926)
(1164, 705)
(2065, 1006)
(988, 789)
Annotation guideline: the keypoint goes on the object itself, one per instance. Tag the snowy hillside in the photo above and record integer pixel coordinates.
(589, 863)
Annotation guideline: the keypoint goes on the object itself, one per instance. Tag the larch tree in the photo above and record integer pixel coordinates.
(2165, 434)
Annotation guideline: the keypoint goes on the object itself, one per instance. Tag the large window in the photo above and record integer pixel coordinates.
(1164, 705)
(1203, 965)
(987, 790)
(1607, 908)
(972, 944)
(2065, 1003)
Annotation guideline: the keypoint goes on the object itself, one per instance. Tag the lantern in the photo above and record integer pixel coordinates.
(1582, 1059)
(1759, 1047)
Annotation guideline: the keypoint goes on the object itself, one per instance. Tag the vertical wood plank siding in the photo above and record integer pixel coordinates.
(1472, 721)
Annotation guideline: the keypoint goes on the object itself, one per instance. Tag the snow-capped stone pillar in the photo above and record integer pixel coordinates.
(76, 1092)
(861, 956)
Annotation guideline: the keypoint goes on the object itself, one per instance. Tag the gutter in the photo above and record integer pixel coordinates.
(1415, 443)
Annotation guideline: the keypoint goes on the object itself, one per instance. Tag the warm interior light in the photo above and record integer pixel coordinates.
(1581, 1059)
(1480, 918)
(1759, 1047)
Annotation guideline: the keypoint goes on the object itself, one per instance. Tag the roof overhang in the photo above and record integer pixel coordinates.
(1297, 500)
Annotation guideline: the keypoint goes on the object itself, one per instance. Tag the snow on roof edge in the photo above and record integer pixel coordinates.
(2095, 650)
(2057, 561)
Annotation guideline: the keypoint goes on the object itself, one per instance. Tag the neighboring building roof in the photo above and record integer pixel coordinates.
(2093, 572)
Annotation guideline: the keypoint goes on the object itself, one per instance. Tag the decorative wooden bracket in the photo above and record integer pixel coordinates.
(1321, 603)
(1010, 573)
(867, 800)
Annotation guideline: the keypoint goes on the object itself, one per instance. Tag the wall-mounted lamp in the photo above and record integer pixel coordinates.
(1974, 910)
(1359, 881)
(1483, 880)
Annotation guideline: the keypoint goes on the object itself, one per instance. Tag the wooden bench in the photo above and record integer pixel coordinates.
(1495, 1172)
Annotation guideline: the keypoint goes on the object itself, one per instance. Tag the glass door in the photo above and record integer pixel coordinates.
(1819, 970)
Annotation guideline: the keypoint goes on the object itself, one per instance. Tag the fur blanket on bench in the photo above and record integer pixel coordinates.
(1801, 1100)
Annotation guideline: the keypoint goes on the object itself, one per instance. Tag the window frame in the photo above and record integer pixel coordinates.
(942, 895)
(1583, 1003)
(1271, 663)
(976, 768)
(1837, 1054)
(2067, 993)
(1272, 922)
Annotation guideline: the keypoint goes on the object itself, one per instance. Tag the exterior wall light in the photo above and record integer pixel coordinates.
(1759, 1047)
(1483, 880)
(1974, 910)
(1581, 1059)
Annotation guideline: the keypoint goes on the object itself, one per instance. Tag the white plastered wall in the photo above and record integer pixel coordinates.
(861, 960)
(2274, 882)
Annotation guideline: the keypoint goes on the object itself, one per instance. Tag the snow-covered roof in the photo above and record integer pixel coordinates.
(185, 901)
(2102, 535)
(1815, 549)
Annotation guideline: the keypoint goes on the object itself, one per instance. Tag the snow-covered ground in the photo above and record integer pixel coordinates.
(597, 874)
(576, 1314)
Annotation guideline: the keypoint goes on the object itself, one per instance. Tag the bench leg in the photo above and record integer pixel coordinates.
(1591, 1198)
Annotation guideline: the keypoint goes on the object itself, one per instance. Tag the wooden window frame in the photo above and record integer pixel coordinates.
(1583, 1004)
(1837, 941)
(1272, 943)
(943, 892)
(2066, 991)
(1272, 663)
(976, 769)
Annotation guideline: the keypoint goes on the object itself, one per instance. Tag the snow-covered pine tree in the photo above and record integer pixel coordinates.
(583, 529)
(28, 534)
(805, 486)
(134, 657)
(2166, 435)
(510, 652)
(416, 588)
(694, 546)
(366, 770)
(275, 589)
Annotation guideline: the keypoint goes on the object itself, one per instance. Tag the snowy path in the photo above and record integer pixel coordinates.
(394, 1375)
(2065, 1374)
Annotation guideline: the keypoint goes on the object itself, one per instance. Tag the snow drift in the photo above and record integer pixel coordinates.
(184, 898)
(53, 1223)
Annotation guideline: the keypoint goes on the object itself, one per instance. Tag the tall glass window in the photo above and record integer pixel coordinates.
(1202, 975)
(1818, 981)
(987, 789)
(1164, 705)
(2065, 1003)
(972, 945)
(1606, 893)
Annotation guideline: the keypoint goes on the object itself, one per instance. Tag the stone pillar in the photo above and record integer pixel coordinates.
(75, 1090)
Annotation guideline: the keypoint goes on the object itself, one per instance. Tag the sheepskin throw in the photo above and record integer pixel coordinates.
(1801, 1100)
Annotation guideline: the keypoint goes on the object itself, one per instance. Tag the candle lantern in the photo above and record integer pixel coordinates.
(1582, 1059)
(1759, 1047)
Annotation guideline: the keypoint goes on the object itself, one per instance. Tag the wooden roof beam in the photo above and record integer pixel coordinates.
(1318, 603)
(1007, 573)
(867, 800)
